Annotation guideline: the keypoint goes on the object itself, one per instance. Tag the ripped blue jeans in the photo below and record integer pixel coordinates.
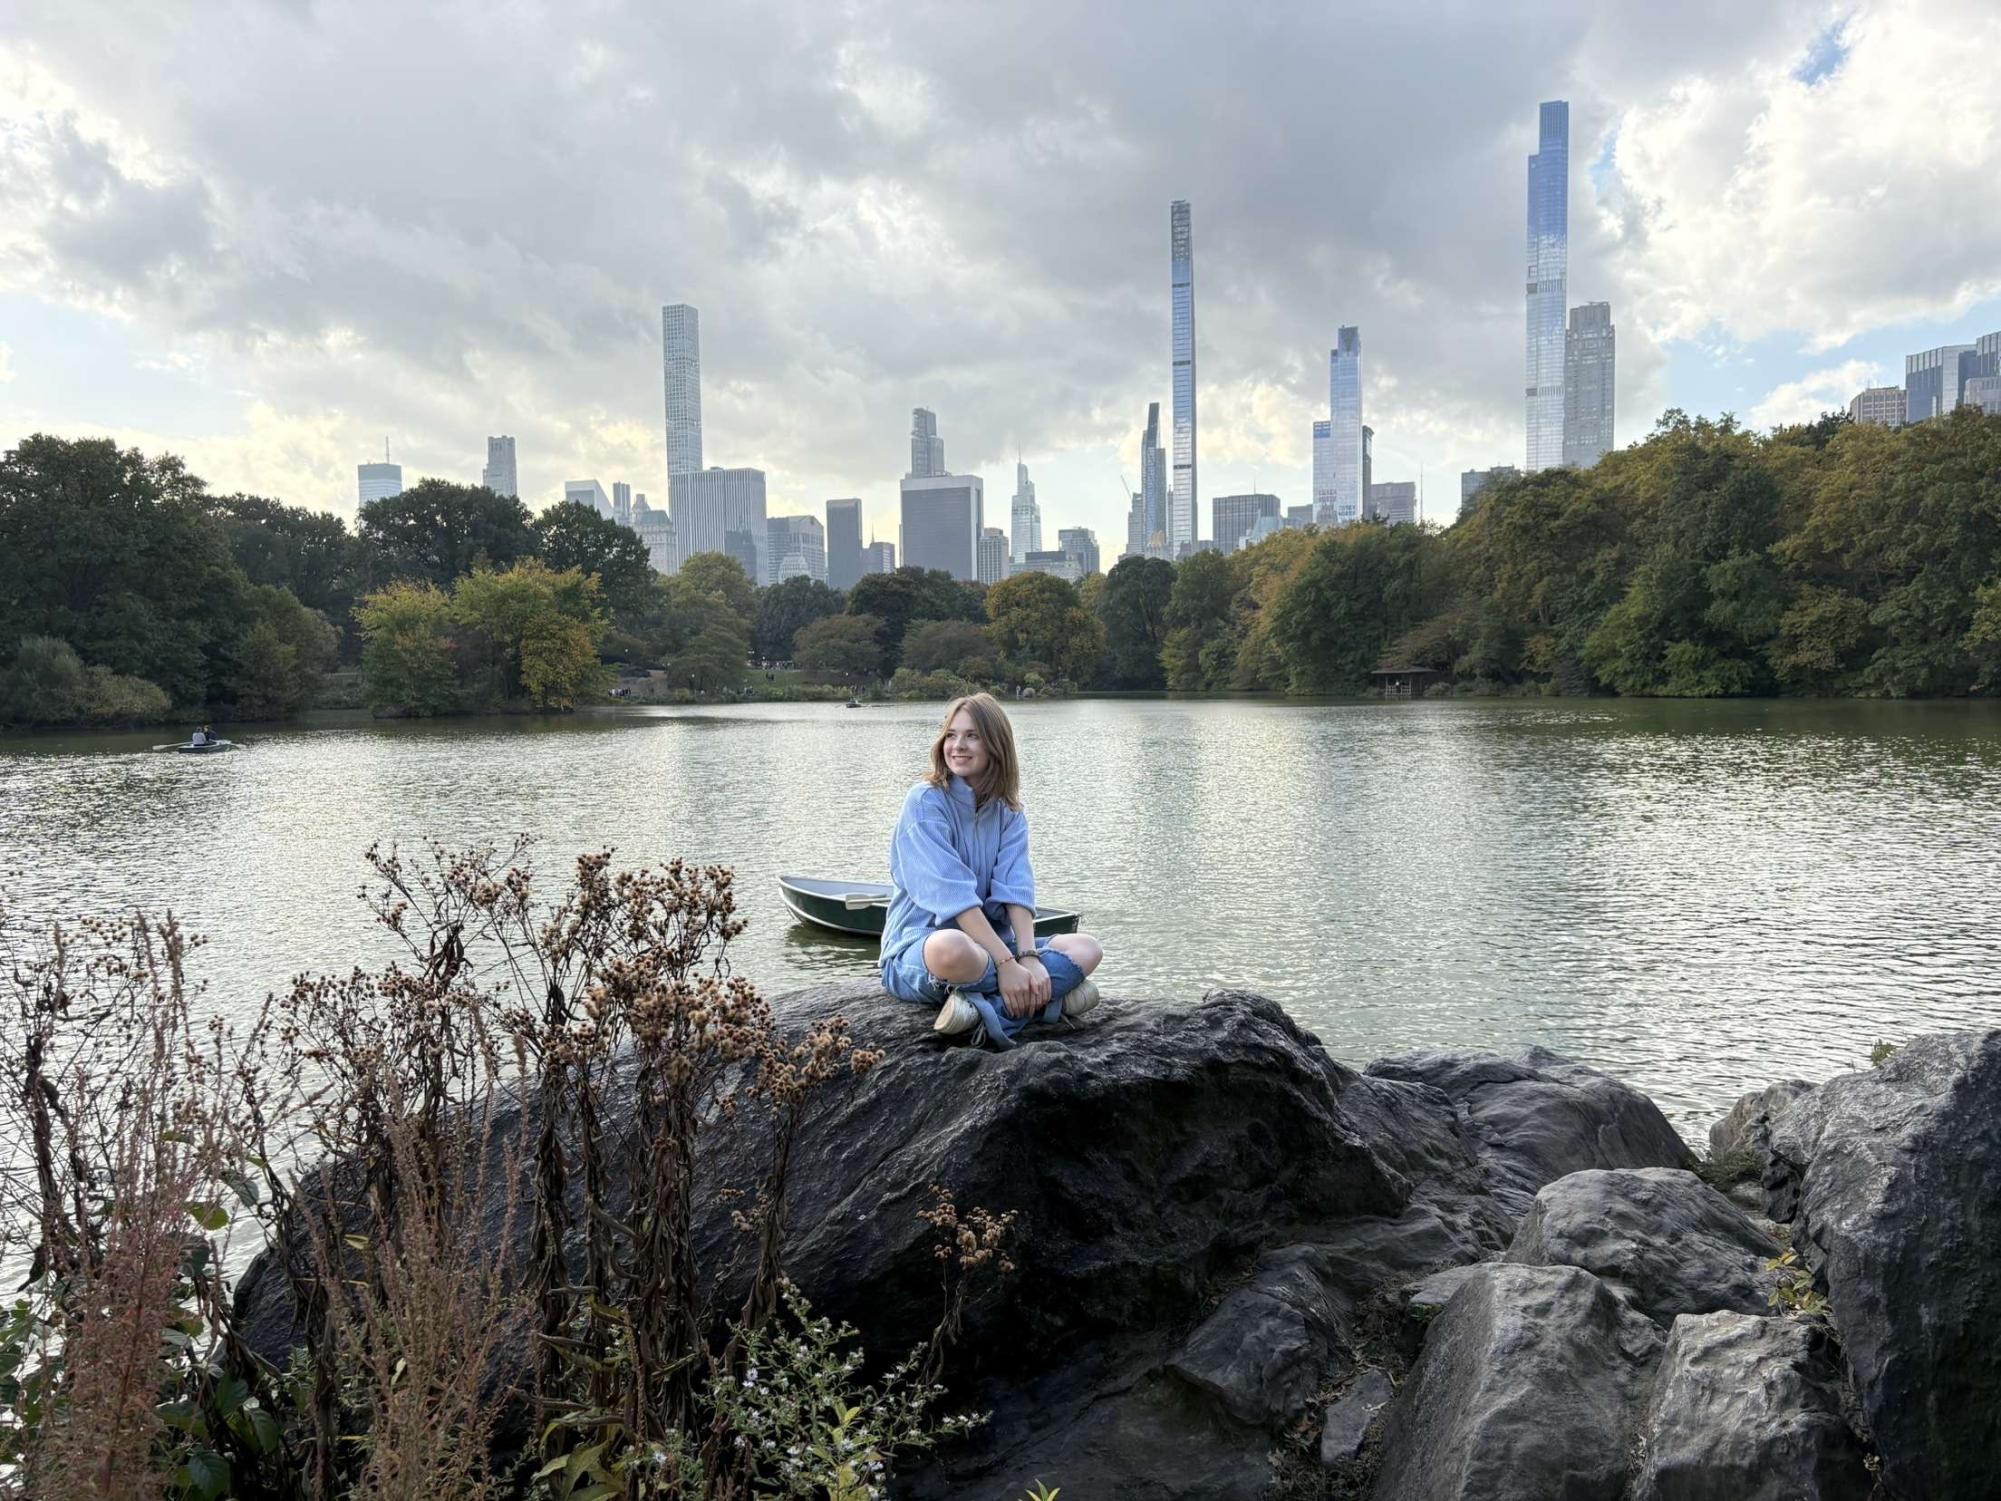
(908, 979)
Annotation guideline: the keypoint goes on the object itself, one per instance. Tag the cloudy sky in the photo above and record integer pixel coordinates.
(268, 236)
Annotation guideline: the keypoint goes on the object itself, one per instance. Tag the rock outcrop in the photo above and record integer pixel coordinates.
(1893, 1176)
(1231, 1247)
(1538, 1115)
(1530, 1388)
(1663, 1238)
(1748, 1409)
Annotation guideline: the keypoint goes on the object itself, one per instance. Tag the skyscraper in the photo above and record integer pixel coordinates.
(587, 493)
(1322, 509)
(1473, 481)
(1344, 429)
(993, 555)
(1181, 272)
(1394, 501)
(1587, 385)
(656, 531)
(797, 548)
(720, 510)
(681, 365)
(943, 515)
(1081, 543)
(1136, 527)
(879, 557)
(844, 543)
(1934, 380)
(1153, 486)
(1025, 520)
(498, 475)
(1548, 270)
(621, 502)
(927, 449)
(1235, 515)
(379, 481)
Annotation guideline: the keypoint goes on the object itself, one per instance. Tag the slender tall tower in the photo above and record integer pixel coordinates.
(1590, 349)
(681, 363)
(1152, 486)
(927, 449)
(1548, 271)
(1344, 428)
(1025, 518)
(1181, 512)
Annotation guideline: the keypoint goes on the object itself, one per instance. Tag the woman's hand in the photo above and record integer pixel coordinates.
(1040, 976)
(1018, 985)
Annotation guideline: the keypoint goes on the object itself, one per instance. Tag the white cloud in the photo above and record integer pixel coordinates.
(1808, 397)
(1750, 198)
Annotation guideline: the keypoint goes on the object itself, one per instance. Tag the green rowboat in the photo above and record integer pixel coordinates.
(860, 907)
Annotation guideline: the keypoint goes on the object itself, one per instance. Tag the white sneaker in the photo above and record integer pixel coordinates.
(955, 1016)
(1082, 999)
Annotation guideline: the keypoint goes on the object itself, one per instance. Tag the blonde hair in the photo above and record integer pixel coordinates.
(1002, 778)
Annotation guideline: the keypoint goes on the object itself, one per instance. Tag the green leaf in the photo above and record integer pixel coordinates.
(245, 1188)
(205, 1476)
(598, 1491)
(208, 1214)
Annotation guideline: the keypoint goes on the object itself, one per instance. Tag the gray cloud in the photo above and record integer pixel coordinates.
(450, 221)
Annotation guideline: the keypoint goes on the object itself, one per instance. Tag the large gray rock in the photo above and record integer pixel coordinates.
(1529, 1389)
(1346, 1426)
(1746, 1127)
(1539, 1115)
(1894, 1177)
(1150, 1152)
(1748, 1409)
(1663, 1237)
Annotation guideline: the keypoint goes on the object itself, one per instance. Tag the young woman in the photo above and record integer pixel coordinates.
(961, 928)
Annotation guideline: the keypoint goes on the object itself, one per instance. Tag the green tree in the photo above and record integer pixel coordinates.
(955, 646)
(1197, 622)
(49, 684)
(275, 665)
(784, 608)
(844, 648)
(309, 552)
(116, 554)
(721, 575)
(573, 536)
(519, 632)
(1039, 626)
(1360, 587)
(408, 654)
(1133, 608)
(911, 594)
(440, 532)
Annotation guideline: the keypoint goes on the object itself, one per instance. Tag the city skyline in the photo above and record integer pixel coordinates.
(1743, 193)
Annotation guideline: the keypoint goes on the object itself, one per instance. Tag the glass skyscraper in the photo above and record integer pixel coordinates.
(1181, 264)
(1322, 509)
(844, 542)
(927, 449)
(1548, 272)
(942, 522)
(1344, 428)
(1588, 368)
(681, 366)
(1025, 516)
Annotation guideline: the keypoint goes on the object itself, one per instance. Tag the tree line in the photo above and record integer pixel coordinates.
(1824, 558)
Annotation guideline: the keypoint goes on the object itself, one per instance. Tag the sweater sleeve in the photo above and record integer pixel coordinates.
(1014, 879)
(927, 866)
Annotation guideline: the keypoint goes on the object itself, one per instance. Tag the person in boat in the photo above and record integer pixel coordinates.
(199, 737)
(960, 934)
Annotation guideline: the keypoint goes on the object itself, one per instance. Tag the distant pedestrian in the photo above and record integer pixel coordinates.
(960, 934)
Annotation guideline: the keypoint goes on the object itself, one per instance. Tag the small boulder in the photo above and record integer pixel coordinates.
(1539, 1115)
(1530, 1388)
(1748, 1409)
(1347, 1423)
(1270, 1344)
(1664, 1238)
(1746, 1128)
(1896, 1180)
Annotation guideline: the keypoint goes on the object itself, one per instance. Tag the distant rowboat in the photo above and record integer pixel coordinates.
(860, 907)
(206, 748)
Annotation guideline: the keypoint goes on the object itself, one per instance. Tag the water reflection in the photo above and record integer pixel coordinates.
(1702, 897)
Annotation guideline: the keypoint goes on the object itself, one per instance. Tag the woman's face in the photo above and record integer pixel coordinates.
(965, 751)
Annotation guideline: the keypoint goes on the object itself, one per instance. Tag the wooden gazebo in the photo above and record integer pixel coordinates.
(1405, 681)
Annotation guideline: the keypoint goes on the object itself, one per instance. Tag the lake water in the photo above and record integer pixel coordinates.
(1699, 897)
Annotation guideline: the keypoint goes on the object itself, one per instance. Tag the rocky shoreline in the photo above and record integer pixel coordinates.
(1246, 1270)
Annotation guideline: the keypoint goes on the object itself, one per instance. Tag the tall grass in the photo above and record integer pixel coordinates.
(475, 1173)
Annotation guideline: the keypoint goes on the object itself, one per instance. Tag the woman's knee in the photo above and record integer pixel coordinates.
(955, 958)
(1081, 949)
